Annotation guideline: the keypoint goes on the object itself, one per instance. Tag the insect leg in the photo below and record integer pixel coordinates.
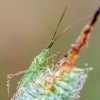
(49, 58)
(9, 76)
(52, 56)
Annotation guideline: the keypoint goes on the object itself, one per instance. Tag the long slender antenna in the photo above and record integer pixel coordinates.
(59, 23)
(71, 26)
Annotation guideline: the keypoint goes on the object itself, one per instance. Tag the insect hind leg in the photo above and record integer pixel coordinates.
(9, 76)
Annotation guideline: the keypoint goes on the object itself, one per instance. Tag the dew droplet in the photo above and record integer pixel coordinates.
(90, 68)
(86, 64)
(7, 85)
(18, 82)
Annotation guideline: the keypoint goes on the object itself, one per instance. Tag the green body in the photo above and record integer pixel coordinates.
(36, 64)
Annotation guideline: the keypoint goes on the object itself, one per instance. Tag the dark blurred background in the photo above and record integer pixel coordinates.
(26, 27)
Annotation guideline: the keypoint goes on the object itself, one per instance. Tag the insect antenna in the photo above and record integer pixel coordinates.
(59, 23)
(53, 40)
(71, 26)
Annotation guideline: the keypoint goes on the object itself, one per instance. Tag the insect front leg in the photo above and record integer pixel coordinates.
(57, 54)
(51, 67)
(52, 56)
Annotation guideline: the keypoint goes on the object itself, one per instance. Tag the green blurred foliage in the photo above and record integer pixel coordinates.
(26, 27)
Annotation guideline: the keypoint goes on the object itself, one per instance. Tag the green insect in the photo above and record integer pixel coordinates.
(38, 60)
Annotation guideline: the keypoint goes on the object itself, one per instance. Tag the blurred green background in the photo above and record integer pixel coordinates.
(26, 27)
